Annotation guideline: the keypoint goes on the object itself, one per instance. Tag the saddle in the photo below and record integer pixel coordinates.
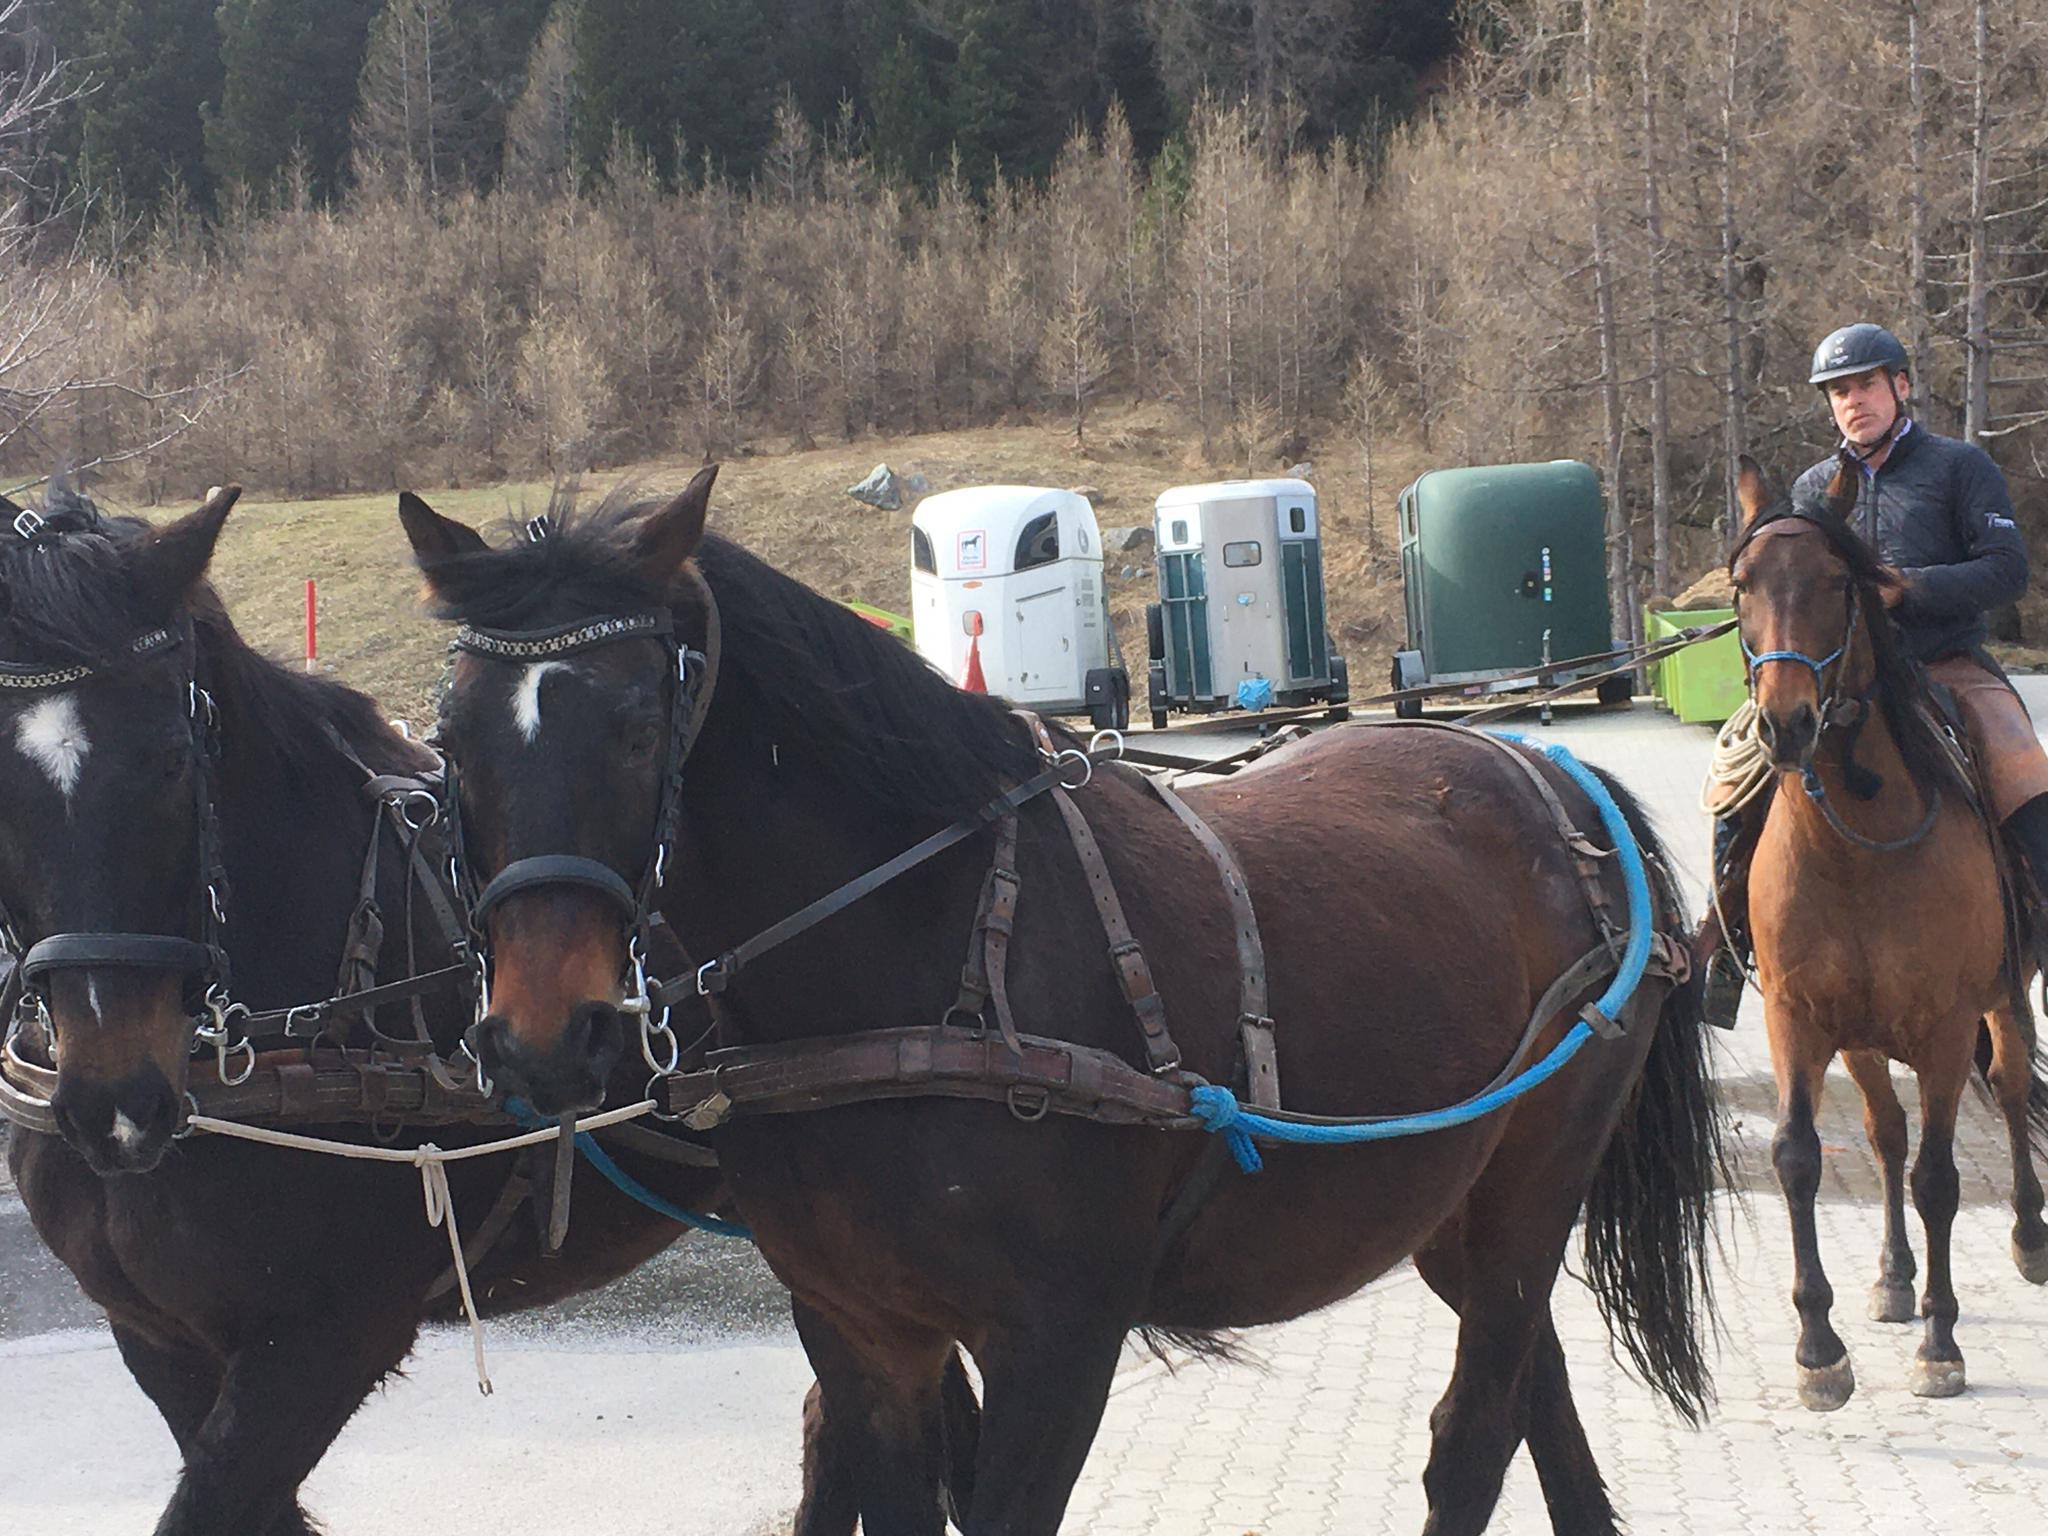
(2021, 898)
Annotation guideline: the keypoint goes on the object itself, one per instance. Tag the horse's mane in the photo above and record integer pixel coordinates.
(817, 679)
(1902, 692)
(71, 597)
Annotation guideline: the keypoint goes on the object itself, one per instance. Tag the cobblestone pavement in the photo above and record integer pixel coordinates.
(1328, 1434)
(1323, 1433)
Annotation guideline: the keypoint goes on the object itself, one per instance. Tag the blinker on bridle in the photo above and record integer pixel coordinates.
(635, 903)
(203, 958)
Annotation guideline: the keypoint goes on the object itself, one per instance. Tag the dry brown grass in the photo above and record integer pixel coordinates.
(791, 509)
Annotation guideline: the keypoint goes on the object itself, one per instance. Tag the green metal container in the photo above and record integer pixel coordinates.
(1505, 568)
(1703, 683)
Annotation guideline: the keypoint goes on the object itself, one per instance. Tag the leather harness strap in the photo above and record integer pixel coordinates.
(1126, 958)
(984, 979)
(1254, 1019)
(1040, 1076)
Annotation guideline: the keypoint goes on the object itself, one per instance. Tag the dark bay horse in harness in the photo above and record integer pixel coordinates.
(1881, 935)
(660, 743)
(255, 1294)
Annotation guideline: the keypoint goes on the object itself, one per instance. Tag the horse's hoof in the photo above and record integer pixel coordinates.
(1937, 1378)
(1891, 1301)
(1825, 1388)
(2032, 1263)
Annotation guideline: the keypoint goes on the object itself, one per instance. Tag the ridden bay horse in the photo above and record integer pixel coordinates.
(1415, 901)
(255, 1294)
(1880, 930)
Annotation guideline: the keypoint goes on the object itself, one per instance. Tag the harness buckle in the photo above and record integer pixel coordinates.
(27, 524)
(1030, 1105)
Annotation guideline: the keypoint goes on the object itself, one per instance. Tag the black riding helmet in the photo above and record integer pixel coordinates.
(1857, 348)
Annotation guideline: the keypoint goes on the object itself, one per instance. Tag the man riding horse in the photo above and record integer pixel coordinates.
(1938, 512)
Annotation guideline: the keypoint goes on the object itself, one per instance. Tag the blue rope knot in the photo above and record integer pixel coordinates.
(1218, 1111)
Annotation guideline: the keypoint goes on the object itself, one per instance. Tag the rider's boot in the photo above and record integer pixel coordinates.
(2027, 829)
(1722, 946)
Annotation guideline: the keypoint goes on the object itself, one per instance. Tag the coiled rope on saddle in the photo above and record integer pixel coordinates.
(1740, 769)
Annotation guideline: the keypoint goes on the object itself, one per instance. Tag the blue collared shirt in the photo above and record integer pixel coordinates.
(1898, 437)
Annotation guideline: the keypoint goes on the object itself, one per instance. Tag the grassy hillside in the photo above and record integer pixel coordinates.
(789, 508)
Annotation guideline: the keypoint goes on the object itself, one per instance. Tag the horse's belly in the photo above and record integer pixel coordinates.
(1313, 1227)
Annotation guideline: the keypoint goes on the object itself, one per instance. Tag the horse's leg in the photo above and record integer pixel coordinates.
(1573, 1490)
(1044, 1387)
(881, 1450)
(183, 1384)
(1884, 1122)
(282, 1401)
(831, 1489)
(831, 1499)
(1937, 1191)
(2012, 1079)
(1826, 1379)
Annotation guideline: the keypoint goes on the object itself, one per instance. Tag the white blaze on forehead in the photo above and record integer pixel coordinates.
(526, 696)
(52, 736)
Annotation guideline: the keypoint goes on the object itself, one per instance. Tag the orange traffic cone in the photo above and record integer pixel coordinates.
(974, 682)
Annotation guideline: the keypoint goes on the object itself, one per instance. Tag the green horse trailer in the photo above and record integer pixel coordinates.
(1504, 567)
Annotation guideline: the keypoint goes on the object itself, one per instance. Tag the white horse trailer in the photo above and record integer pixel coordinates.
(1011, 576)
(1240, 619)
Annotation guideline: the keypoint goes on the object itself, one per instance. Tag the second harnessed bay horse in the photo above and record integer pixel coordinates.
(655, 737)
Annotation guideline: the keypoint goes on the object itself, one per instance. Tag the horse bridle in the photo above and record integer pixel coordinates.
(694, 675)
(1831, 702)
(1753, 661)
(204, 960)
(651, 998)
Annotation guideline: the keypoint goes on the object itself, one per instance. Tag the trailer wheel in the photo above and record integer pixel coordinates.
(1404, 709)
(1616, 690)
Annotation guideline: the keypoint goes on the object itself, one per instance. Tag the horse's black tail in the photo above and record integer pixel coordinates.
(1649, 1213)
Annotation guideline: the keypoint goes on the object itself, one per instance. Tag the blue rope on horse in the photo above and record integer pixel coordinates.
(625, 1183)
(1219, 1111)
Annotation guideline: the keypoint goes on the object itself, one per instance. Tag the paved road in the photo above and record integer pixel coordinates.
(691, 1431)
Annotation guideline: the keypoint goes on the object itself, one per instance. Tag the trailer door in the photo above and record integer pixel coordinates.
(1184, 589)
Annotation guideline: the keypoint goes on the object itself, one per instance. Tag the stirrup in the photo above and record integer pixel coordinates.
(1721, 991)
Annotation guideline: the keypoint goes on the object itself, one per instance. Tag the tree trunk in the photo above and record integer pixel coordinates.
(1921, 335)
(1734, 395)
(1976, 312)
(1660, 407)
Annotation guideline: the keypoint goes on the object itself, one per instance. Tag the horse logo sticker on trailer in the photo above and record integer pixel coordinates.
(971, 553)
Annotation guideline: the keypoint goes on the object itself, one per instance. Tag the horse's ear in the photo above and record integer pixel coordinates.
(1752, 490)
(177, 556)
(434, 537)
(671, 535)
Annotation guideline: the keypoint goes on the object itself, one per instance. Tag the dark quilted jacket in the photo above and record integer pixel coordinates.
(1938, 510)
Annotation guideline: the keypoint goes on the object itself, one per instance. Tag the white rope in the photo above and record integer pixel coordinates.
(432, 1162)
(1741, 765)
(1739, 771)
